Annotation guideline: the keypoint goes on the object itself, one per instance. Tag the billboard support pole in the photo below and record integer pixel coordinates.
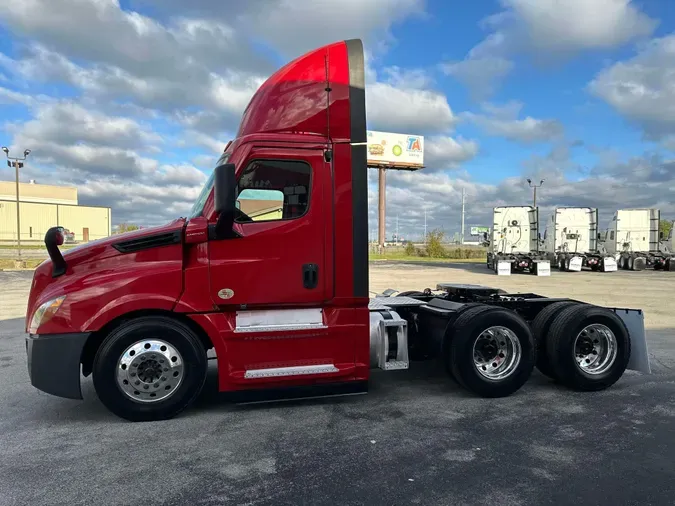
(381, 207)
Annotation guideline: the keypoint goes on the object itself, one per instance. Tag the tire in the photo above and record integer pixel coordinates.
(624, 263)
(629, 263)
(639, 264)
(464, 334)
(540, 328)
(170, 339)
(563, 264)
(560, 347)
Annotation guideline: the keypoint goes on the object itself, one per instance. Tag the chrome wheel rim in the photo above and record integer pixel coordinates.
(595, 349)
(496, 353)
(150, 371)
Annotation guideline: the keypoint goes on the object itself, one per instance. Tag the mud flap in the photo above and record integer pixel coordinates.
(542, 268)
(503, 268)
(575, 264)
(635, 323)
(609, 264)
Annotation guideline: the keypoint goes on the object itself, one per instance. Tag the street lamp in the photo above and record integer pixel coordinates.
(17, 163)
(535, 186)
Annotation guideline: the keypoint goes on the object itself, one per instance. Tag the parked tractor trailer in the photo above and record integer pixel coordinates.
(514, 245)
(283, 301)
(571, 241)
(634, 239)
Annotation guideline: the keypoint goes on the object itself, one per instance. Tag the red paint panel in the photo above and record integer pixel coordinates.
(101, 283)
(344, 283)
(294, 98)
(99, 291)
(239, 352)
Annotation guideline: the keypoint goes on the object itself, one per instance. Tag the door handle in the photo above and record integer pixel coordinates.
(310, 276)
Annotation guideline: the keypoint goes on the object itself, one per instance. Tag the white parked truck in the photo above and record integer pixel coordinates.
(514, 245)
(633, 238)
(571, 240)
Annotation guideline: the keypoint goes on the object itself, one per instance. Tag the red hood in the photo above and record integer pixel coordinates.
(102, 248)
(43, 282)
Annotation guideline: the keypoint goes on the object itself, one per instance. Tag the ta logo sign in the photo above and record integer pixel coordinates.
(414, 144)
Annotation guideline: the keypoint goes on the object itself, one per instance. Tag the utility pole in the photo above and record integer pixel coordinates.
(17, 163)
(535, 186)
(397, 237)
(381, 206)
(461, 239)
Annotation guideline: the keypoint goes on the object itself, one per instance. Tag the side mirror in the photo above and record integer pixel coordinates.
(539, 236)
(224, 188)
(661, 236)
(599, 236)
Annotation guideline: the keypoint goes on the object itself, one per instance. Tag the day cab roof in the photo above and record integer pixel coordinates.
(319, 94)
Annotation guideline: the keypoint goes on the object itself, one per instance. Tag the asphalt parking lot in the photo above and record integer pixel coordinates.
(415, 438)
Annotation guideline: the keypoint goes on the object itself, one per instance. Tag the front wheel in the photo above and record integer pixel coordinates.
(150, 368)
(491, 351)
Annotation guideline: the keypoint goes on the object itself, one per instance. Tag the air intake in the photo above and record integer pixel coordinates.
(148, 242)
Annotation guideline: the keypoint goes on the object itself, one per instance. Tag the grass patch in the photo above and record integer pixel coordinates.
(412, 258)
(34, 246)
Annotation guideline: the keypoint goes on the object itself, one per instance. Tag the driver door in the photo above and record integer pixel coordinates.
(279, 260)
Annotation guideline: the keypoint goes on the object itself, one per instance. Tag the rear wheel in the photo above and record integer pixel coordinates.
(639, 263)
(150, 368)
(564, 264)
(588, 347)
(491, 351)
(540, 328)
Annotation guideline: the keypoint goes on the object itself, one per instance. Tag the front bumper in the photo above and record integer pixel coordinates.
(54, 363)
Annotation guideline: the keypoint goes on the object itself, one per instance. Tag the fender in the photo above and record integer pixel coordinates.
(127, 304)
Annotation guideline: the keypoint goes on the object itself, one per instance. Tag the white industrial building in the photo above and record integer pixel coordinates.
(44, 206)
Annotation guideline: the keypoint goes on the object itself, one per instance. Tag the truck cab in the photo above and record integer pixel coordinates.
(269, 268)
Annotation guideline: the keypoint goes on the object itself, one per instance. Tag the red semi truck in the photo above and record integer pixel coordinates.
(281, 295)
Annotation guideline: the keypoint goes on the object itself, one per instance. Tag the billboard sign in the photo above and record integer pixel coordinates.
(401, 151)
(480, 230)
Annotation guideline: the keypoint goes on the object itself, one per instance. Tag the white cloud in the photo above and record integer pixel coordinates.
(319, 22)
(480, 75)
(502, 121)
(546, 30)
(408, 110)
(573, 25)
(642, 88)
(442, 152)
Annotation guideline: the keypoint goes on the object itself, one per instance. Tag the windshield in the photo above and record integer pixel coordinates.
(198, 206)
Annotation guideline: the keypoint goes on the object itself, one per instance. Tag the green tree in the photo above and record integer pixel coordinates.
(126, 227)
(409, 249)
(434, 246)
(664, 227)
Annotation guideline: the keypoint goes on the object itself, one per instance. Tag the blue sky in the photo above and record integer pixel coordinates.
(132, 101)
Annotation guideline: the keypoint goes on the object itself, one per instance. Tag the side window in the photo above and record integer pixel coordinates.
(611, 234)
(270, 190)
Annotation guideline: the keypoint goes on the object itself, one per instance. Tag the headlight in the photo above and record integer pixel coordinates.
(45, 313)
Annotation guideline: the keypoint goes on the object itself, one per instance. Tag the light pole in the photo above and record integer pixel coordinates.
(17, 163)
(535, 186)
